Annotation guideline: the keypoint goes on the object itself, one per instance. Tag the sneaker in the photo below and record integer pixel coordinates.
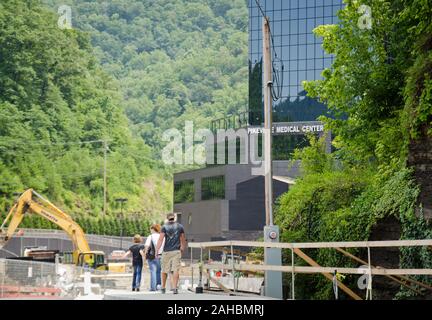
(175, 291)
(158, 287)
(133, 289)
(137, 289)
(163, 290)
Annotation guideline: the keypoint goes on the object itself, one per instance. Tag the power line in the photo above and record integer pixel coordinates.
(66, 175)
(261, 9)
(278, 80)
(21, 142)
(80, 175)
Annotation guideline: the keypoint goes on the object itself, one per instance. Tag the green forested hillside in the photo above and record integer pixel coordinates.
(53, 97)
(125, 72)
(176, 60)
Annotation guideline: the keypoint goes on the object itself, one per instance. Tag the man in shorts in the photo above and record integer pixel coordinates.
(175, 244)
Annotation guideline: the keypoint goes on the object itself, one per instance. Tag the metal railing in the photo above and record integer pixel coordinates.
(237, 121)
(398, 275)
(102, 240)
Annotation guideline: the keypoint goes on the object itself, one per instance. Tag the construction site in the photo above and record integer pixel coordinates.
(48, 264)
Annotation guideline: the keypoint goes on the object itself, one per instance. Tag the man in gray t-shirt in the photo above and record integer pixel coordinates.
(175, 243)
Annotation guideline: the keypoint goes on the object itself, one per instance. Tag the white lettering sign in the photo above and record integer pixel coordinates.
(287, 129)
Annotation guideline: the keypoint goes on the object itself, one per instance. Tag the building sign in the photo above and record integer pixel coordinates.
(286, 128)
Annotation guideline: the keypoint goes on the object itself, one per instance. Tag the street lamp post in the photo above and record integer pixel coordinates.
(121, 201)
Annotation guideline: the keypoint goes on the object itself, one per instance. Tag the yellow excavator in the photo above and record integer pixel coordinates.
(32, 202)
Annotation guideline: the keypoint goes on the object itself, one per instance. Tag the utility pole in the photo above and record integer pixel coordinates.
(105, 146)
(272, 256)
(122, 201)
(268, 121)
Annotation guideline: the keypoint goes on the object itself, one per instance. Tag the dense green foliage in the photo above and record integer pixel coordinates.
(380, 82)
(125, 72)
(176, 60)
(53, 97)
(340, 203)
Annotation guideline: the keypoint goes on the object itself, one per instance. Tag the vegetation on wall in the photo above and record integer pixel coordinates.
(339, 203)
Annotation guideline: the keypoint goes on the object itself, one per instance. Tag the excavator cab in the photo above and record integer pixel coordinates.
(93, 259)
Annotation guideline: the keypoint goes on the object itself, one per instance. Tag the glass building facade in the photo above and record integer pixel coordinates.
(218, 201)
(291, 23)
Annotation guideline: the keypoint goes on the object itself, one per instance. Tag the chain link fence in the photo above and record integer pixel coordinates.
(110, 241)
(31, 279)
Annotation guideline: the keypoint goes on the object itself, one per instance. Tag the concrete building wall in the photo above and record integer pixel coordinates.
(248, 211)
(204, 219)
(243, 206)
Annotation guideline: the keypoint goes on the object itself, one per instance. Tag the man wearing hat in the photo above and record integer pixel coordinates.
(175, 243)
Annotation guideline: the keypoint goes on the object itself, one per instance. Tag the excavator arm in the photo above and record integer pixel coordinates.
(31, 201)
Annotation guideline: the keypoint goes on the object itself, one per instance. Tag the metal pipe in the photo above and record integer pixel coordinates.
(233, 268)
(104, 285)
(192, 277)
(292, 276)
(208, 271)
(369, 286)
(3, 280)
(201, 267)
(268, 120)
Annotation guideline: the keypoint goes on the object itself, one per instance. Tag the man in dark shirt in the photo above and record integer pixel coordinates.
(175, 243)
(137, 251)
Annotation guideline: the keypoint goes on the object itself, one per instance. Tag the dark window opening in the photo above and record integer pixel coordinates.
(184, 191)
(213, 188)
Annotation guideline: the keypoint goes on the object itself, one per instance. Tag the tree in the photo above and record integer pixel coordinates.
(172, 58)
(378, 89)
(385, 126)
(54, 99)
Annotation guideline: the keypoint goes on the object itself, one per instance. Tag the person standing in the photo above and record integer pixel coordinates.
(153, 259)
(175, 243)
(137, 251)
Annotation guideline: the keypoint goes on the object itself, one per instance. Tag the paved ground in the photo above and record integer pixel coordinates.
(90, 297)
(183, 295)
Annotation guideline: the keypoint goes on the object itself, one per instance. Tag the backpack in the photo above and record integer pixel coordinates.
(151, 253)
